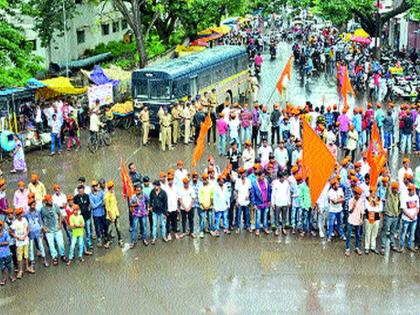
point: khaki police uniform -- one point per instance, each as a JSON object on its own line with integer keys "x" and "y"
{"x": 175, "y": 122}
{"x": 145, "y": 123}
{"x": 165, "y": 127}
{"x": 186, "y": 115}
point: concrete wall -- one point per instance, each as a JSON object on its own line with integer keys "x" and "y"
{"x": 89, "y": 21}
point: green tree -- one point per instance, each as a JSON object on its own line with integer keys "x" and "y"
{"x": 341, "y": 11}
{"x": 17, "y": 63}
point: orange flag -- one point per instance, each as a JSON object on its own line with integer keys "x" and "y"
{"x": 199, "y": 148}
{"x": 127, "y": 184}
{"x": 286, "y": 72}
{"x": 376, "y": 155}
{"x": 318, "y": 162}
{"x": 346, "y": 87}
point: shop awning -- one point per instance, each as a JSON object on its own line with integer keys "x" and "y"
{"x": 58, "y": 86}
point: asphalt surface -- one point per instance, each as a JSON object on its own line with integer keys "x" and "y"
{"x": 230, "y": 275}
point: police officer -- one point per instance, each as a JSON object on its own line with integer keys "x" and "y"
{"x": 176, "y": 116}
{"x": 145, "y": 123}
{"x": 211, "y": 105}
{"x": 186, "y": 117}
{"x": 165, "y": 126}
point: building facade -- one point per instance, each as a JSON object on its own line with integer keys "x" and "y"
{"x": 91, "y": 26}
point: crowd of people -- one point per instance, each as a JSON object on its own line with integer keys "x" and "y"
{"x": 260, "y": 191}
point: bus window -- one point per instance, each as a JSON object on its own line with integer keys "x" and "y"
{"x": 141, "y": 89}
{"x": 160, "y": 89}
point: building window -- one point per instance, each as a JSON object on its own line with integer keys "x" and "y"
{"x": 115, "y": 27}
{"x": 105, "y": 29}
{"x": 80, "y": 34}
{"x": 124, "y": 24}
{"x": 32, "y": 44}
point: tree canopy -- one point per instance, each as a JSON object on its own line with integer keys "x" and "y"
{"x": 17, "y": 63}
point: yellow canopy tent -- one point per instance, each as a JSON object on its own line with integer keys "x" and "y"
{"x": 182, "y": 51}
{"x": 58, "y": 86}
{"x": 222, "y": 30}
{"x": 360, "y": 32}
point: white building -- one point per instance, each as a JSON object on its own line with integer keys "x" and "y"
{"x": 94, "y": 24}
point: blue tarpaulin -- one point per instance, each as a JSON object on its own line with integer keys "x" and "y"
{"x": 31, "y": 84}
{"x": 99, "y": 77}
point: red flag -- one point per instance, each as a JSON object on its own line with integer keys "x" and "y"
{"x": 199, "y": 148}
{"x": 286, "y": 72}
{"x": 376, "y": 155}
{"x": 127, "y": 184}
{"x": 318, "y": 162}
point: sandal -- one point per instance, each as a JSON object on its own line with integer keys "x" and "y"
{"x": 3, "y": 282}
{"x": 13, "y": 171}
{"x": 19, "y": 275}
{"x": 12, "y": 279}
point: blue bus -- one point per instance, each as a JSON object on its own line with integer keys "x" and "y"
{"x": 224, "y": 68}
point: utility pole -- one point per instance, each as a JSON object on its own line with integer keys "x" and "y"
{"x": 65, "y": 38}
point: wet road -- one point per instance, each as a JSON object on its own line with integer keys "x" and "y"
{"x": 229, "y": 275}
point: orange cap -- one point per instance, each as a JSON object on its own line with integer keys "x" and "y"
{"x": 70, "y": 197}
{"x": 185, "y": 180}
{"x": 171, "y": 171}
{"x": 344, "y": 162}
{"x": 352, "y": 172}
{"x": 56, "y": 187}
{"x": 358, "y": 190}
{"x": 411, "y": 187}
{"x": 34, "y": 177}
{"x": 406, "y": 160}
{"x": 298, "y": 177}
{"x": 76, "y": 207}
{"x": 21, "y": 184}
{"x": 205, "y": 176}
{"x": 395, "y": 185}
{"x": 295, "y": 169}
{"x": 19, "y": 211}
{"x": 385, "y": 179}
{"x": 48, "y": 198}
{"x": 162, "y": 174}
{"x": 241, "y": 170}
{"x": 194, "y": 173}
{"x": 357, "y": 165}
{"x": 8, "y": 211}
{"x": 220, "y": 177}
{"x": 170, "y": 177}
{"x": 354, "y": 179}
{"x": 2, "y": 182}
{"x": 408, "y": 176}
{"x": 248, "y": 142}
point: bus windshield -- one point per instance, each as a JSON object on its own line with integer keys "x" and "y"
{"x": 141, "y": 89}
{"x": 160, "y": 89}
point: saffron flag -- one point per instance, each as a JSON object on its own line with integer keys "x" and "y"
{"x": 127, "y": 184}
{"x": 376, "y": 155}
{"x": 199, "y": 148}
{"x": 286, "y": 72}
{"x": 318, "y": 162}
{"x": 346, "y": 86}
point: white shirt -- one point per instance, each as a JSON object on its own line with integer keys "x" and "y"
{"x": 221, "y": 198}
{"x": 365, "y": 168}
{"x": 234, "y": 128}
{"x": 401, "y": 173}
{"x": 60, "y": 201}
{"x": 242, "y": 188}
{"x": 19, "y": 228}
{"x": 295, "y": 127}
{"x": 281, "y": 156}
{"x": 248, "y": 157}
{"x": 94, "y": 122}
{"x": 330, "y": 137}
{"x": 179, "y": 175}
{"x": 323, "y": 198}
{"x": 280, "y": 196}
{"x": 186, "y": 196}
{"x": 410, "y": 204}
{"x": 264, "y": 153}
{"x": 334, "y": 195}
{"x": 172, "y": 198}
